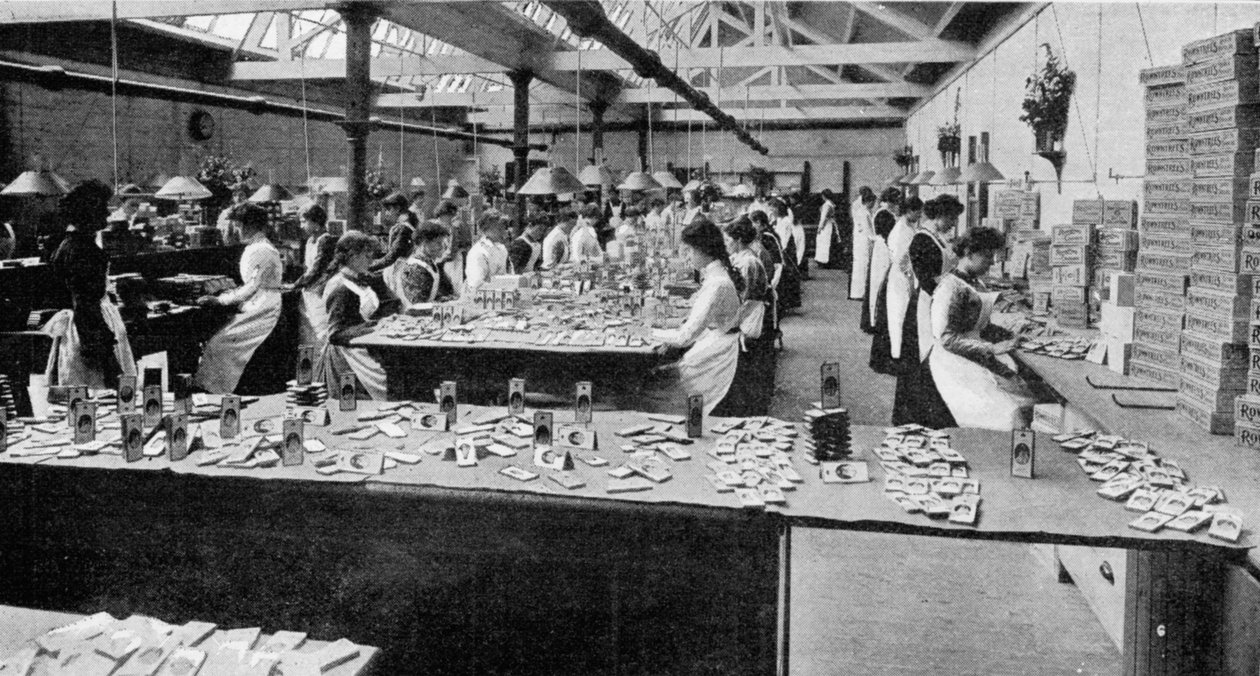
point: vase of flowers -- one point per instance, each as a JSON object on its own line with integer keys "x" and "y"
{"x": 1047, "y": 101}
{"x": 904, "y": 157}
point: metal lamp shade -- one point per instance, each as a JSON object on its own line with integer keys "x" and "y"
{"x": 981, "y": 172}
{"x": 923, "y": 177}
{"x": 638, "y": 180}
{"x": 947, "y": 176}
{"x": 328, "y": 184}
{"x": 738, "y": 191}
{"x": 596, "y": 175}
{"x": 667, "y": 180}
{"x": 692, "y": 185}
{"x": 131, "y": 190}
{"x": 272, "y": 192}
{"x": 183, "y": 189}
{"x": 454, "y": 190}
{"x": 906, "y": 179}
{"x": 44, "y": 183}
{"x": 417, "y": 183}
{"x": 552, "y": 181}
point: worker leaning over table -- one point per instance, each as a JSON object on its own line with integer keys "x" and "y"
{"x": 488, "y": 257}
{"x": 584, "y": 242}
{"x": 227, "y": 353}
{"x": 525, "y": 253}
{"x": 90, "y": 340}
{"x": 355, "y": 299}
{"x": 425, "y": 279}
{"x": 556, "y": 243}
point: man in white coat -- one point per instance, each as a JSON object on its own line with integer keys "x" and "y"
{"x": 863, "y": 239}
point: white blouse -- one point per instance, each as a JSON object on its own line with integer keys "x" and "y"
{"x": 716, "y": 307}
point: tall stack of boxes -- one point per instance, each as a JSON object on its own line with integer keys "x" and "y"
{"x": 1222, "y": 86}
{"x": 1164, "y": 255}
{"x": 1071, "y": 269}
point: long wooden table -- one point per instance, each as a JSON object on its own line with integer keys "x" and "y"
{"x": 659, "y": 576}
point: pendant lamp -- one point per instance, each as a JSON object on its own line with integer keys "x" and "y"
{"x": 454, "y": 190}
{"x": 43, "y": 183}
{"x": 639, "y": 180}
{"x": 272, "y": 192}
{"x": 596, "y": 175}
{"x": 183, "y": 189}
{"x": 552, "y": 181}
{"x": 417, "y": 183}
{"x": 923, "y": 177}
{"x": 693, "y": 185}
{"x": 982, "y": 171}
{"x": 327, "y": 184}
{"x": 947, "y": 176}
{"x": 157, "y": 180}
{"x": 131, "y": 190}
{"x": 667, "y": 180}
{"x": 738, "y": 191}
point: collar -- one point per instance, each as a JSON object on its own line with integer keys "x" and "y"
{"x": 713, "y": 268}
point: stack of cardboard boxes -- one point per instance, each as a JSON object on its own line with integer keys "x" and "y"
{"x": 1071, "y": 267}
{"x": 1163, "y": 261}
{"x": 1222, "y": 86}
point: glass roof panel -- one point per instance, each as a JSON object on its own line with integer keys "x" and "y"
{"x": 232, "y": 26}
{"x": 201, "y": 23}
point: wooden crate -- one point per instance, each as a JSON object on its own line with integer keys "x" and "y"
{"x": 1087, "y": 212}
{"x": 1249, "y": 261}
{"x": 1247, "y": 410}
{"x": 1113, "y": 259}
{"x": 1069, "y": 275}
{"x": 1220, "y": 189}
{"x": 1218, "y": 212}
{"x": 1163, "y": 96}
{"x": 1246, "y": 435}
{"x": 1215, "y": 375}
{"x": 1156, "y": 356}
{"x": 1150, "y": 299}
{"x": 1075, "y": 234}
{"x": 1069, "y": 254}
{"x": 1119, "y": 213}
{"x": 1121, "y": 239}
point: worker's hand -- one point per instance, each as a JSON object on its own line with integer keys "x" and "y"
{"x": 208, "y": 300}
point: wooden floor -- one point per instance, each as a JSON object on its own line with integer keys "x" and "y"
{"x": 886, "y": 604}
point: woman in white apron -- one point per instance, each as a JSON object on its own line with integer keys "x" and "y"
{"x": 754, "y": 374}
{"x": 883, "y": 221}
{"x": 890, "y": 344}
{"x": 712, "y": 327}
{"x": 826, "y": 229}
{"x": 355, "y": 298}
{"x": 916, "y": 399}
{"x": 424, "y": 279}
{"x": 970, "y": 361}
{"x": 224, "y": 357}
{"x": 317, "y": 259}
{"x": 90, "y": 344}
{"x": 402, "y": 226}
{"x": 863, "y": 240}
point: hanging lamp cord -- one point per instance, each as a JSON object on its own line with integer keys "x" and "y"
{"x": 113, "y": 83}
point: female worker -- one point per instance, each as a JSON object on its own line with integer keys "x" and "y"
{"x": 402, "y": 228}
{"x": 970, "y": 364}
{"x": 317, "y": 255}
{"x": 355, "y": 299}
{"x": 894, "y": 296}
{"x": 827, "y": 222}
{"x": 916, "y": 399}
{"x": 90, "y": 340}
{"x": 863, "y": 240}
{"x": 712, "y": 327}
{"x": 754, "y": 375}
{"x": 225, "y": 355}
{"x": 424, "y": 278}
{"x": 882, "y": 222}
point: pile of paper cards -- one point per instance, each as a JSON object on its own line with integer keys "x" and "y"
{"x": 924, "y": 474}
{"x": 142, "y": 646}
{"x": 314, "y": 394}
{"x": 1157, "y": 488}
{"x": 830, "y": 429}
{"x": 1060, "y": 347}
{"x": 752, "y": 459}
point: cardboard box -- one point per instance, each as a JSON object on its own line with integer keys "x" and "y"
{"x": 1222, "y": 282}
{"x": 1159, "y": 320}
{"x": 1152, "y": 337}
{"x": 1233, "y": 329}
{"x": 1214, "y": 304}
{"x": 1162, "y": 76}
{"x": 1111, "y": 259}
{"x": 1081, "y": 233}
{"x": 1119, "y": 355}
{"x": 1226, "y": 354}
{"x": 1165, "y": 359}
{"x": 1117, "y": 321}
{"x": 1169, "y": 187}
{"x": 1253, "y": 384}
{"x": 1224, "y": 141}
{"x": 1163, "y": 262}
{"x": 1254, "y": 315}
{"x": 1238, "y": 165}
{"x": 1030, "y": 206}
{"x": 1225, "y": 258}
{"x": 1162, "y": 131}
{"x": 1152, "y": 299}
{"x": 1120, "y": 288}
{"x": 1069, "y": 275}
{"x": 1207, "y": 420}
{"x": 1165, "y": 96}
{"x": 1119, "y": 213}
{"x": 1120, "y": 239}
{"x": 1174, "y": 284}
{"x": 1221, "y": 94}
{"x": 1246, "y": 436}
{"x": 1168, "y": 167}
{"x": 1247, "y": 410}
{"x": 1067, "y": 295}
{"x": 1252, "y": 212}
{"x": 1166, "y": 206}
{"x": 1249, "y": 260}
{"x": 1156, "y": 374}
{"x": 1007, "y": 203}
{"x": 1164, "y": 224}
{"x": 1234, "y": 42}
{"x": 1087, "y": 211}
{"x": 1179, "y": 243}
{"x": 1220, "y": 189}
{"x": 1211, "y": 398}
{"x": 1066, "y": 254}
{"x": 1253, "y": 335}
{"x": 1225, "y": 67}
{"x": 1215, "y": 235}
{"x": 1169, "y": 112}
{"x": 1168, "y": 148}
{"x": 1218, "y": 377}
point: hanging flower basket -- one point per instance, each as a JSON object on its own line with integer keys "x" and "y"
{"x": 1047, "y": 102}
{"x": 904, "y": 157}
{"x": 949, "y": 141}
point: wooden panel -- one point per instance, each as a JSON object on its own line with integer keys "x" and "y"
{"x": 1105, "y": 598}
{"x": 1172, "y": 613}
{"x": 1240, "y": 621}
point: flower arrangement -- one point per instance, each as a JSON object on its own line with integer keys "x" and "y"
{"x": 379, "y": 186}
{"x": 904, "y": 157}
{"x": 219, "y": 173}
{"x": 491, "y": 185}
{"x": 949, "y": 138}
{"x": 1047, "y": 100}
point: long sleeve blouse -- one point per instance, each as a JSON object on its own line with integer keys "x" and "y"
{"x": 261, "y": 270}
{"x": 716, "y": 307}
{"x": 346, "y": 321}
{"x": 960, "y": 294}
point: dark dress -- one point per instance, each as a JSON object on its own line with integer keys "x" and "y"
{"x": 345, "y": 323}
{"x": 916, "y": 399}
{"x": 881, "y": 360}
{"x": 520, "y": 250}
{"x": 83, "y": 267}
{"x": 400, "y": 243}
{"x": 790, "y": 279}
{"x": 418, "y": 279}
{"x": 753, "y": 387}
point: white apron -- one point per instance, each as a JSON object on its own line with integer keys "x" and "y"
{"x": 861, "y": 251}
{"x": 708, "y": 367}
{"x": 900, "y": 282}
{"x": 224, "y": 357}
{"x": 923, "y": 309}
{"x": 535, "y": 252}
{"x": 65, "y": 363}
{"x": 393, "y": 276}
{"x": 822, "y": 242}
{"x": 976, "y": 396}
{"x": 356, "y": 360}
{"x": 879, "y": 270}
{"x": 314, "y": 327}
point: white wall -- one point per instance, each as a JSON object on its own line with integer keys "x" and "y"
{"x": 1114, "y": 138}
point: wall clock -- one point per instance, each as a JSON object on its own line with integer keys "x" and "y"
{"x": 200, "y": 125}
